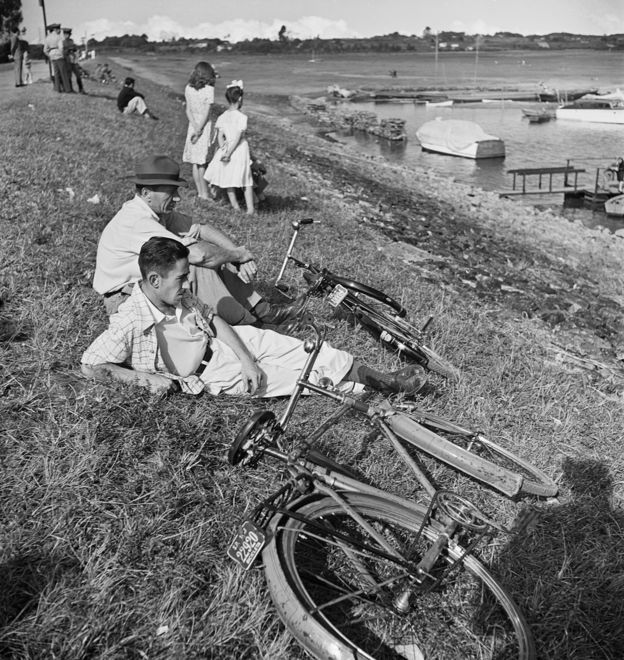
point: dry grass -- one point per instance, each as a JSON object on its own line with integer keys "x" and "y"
{"x": 117, "y": 507}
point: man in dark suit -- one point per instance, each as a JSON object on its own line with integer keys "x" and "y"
{"x": 17, "y": 55}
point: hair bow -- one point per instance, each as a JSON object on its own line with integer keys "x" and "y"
{"x": 235, "y": 83}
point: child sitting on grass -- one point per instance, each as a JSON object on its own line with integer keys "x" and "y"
{"x": 230, "y": 167}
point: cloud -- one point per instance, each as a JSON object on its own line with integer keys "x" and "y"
{"x": 478, "y": 26}
{"x": 164, "y": 28}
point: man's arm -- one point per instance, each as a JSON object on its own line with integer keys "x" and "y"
{"x": 250, "y": 372}
{"x": 157, "y": 383}
{"x": 210, "y": 255}
{"x": 106, "y": 356}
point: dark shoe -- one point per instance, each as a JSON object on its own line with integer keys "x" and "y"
{"x": 409, "y": 380}
{"x": 274, "y": 314}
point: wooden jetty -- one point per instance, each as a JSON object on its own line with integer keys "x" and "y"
{"x": 538, "y": 176}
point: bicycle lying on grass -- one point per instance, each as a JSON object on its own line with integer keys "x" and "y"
{"x": 358, "y": 572}
{"x": 380, "y": 314}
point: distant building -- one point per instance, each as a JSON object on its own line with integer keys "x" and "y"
{"x": 543, "y": 44}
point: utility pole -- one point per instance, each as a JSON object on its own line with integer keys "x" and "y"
{"x": 45, "y": 31}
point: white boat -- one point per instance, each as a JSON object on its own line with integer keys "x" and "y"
{"x": 594, "y": 109}
{"x": 457, "y": 137}
{"x": 439, "y": 104}
{"x": 615, "y": 205}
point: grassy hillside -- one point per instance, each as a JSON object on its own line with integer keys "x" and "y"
{"x": 117, "y": 507}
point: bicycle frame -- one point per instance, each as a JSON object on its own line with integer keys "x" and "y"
{"x": 396, "y": 427}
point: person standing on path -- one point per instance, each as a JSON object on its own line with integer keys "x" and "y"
{"x": 15, "y": 49}
{"x": 231, "y": 166}
{"x": 199, "y": 96}
{"x": 53, "y": 49}
{"x": 71, "y": 59}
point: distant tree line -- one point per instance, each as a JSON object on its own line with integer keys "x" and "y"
{"x": 394, "y": 42}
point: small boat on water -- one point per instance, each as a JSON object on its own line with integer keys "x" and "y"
{"x": 456, "y": 137}
{"x": 562, "y": 96}
{"x": 439, "y": 104}
{"x": 602, "y": 112}
{"x": 598, "y": 108}
{"x": 615, "y": 206}
{"x": 538, "y": 115}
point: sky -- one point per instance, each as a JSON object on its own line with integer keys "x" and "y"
{"x": 245, "y": 19}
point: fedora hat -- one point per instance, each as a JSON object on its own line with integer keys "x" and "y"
{"x": 157, "y": 171}
{"x": 54, "y": 26}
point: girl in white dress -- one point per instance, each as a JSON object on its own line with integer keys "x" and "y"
{"x": 199, "y": 95}
{"x": 230, "y": 167}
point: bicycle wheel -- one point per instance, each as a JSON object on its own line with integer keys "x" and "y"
{"x": 334, "y": 587}
{"x": 399, "y": 335}
{"x": 409, "y": 427}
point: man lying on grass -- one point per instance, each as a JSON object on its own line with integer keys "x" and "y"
{"x": 222, "y": 273}
{"x": 163, "y": 337}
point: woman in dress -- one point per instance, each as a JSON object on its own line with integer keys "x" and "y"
{"x": 230, "y": 167}
{"x": 199, "y": 95}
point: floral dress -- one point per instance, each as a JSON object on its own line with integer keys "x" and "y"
{"x": 197, "y": 100}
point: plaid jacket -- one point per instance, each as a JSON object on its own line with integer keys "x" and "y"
{"x": 130, "y": 339}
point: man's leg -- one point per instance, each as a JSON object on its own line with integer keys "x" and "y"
{"x": 56, "y": 70}
{"x": 66, "y": 81}
{"x": 226, "y": 293}
{"x": 280, "y": 358}
{"x": 18, "y": 69}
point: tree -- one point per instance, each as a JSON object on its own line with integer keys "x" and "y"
{"x": 282, "y": 34}
{"x": 10, "y": 14}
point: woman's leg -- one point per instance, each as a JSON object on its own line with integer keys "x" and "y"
{"x": 249, "y": 199}
{"x": 196, "y": 179}
{"x": 231, "y": 193}
{"x": 202, "y": 187}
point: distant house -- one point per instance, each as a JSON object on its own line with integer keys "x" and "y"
{"x": 454, "y": 46}
{"x": 443, "y": 44}
{"x": 543, "y": 44}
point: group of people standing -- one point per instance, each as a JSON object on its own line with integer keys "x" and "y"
{"x": 62, "y": 52}
{"x": 218, "y": 149}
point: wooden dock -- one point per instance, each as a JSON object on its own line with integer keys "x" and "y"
{"x": 538, "y": 177}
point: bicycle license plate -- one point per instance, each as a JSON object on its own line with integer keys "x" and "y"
{"x": 246, "y": 545}
{"x": 338, "y": 294}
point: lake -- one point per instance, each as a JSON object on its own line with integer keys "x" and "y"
{"x": 528, "y": 145}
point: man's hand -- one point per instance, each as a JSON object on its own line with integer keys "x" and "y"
{"x": 247, "y": 271}
{"x": 251, "y": 375}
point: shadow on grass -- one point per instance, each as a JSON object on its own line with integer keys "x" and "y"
{"x": 570, "y": 569}
{"x": 24, "y": 579}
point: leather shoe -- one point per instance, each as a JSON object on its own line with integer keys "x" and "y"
{"x": 408, "y": 380}
{"x": 276, "y": 314}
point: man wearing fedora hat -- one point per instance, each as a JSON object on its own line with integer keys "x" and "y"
{"x": 53, "y": 49}
{"x": 222, "y": 272}
{"x": 164, "y": 338}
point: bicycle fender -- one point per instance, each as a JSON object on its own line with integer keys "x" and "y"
{"x": 505, "y": 481}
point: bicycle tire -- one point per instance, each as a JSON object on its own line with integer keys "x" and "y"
{"x": 470, "y": 615}
{"x": 366, "y": 290}
{"x": 485, "y": 452}
{"x": 394, "y": 333}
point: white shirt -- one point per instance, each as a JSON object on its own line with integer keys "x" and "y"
{"x": 117, "y": 261}
{"x": 181, "y": 343}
